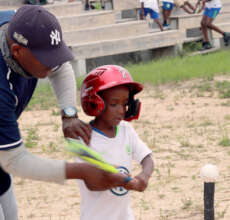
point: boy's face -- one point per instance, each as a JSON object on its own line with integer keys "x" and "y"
{"x": 116, "y": 102}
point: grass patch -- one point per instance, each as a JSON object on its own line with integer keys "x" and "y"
{"x": 192, "y": 46}
{"x": 43, "y": 98}
{"x": 165, "y": 70}
{"x": 224, "y": 89}
{"x": 225, "y": 141}
{"x": 32, "y": 138}
{"x": 176, "y": 69}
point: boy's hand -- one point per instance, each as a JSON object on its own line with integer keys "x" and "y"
{"x": 201, "y": 7}
{"x": 138, "y": 183}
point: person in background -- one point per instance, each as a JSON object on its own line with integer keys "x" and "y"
{"x": 167, "y": 8}
{"x": 89, "y": 5}
{"x": 150, "y": 7}
{"x": 211, "y": 10}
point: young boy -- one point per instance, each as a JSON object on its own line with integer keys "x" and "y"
{"x": 211, "y": 10}
{"x": 168, "y": 6}
{"x": 108, "y": 94}
{"x": 150, "y": 7}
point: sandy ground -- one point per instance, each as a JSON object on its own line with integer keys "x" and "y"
{"x": 183, "y": 124}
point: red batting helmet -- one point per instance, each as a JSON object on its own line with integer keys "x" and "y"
{"x": 105, "y": 77}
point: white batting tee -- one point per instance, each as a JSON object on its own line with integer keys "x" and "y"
{"x": 113, "y": 204}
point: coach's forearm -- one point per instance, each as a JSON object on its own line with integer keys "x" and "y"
{"x": 74, "y": 170}
{"x": 20, "y": 162}
{"x": 64, "y": 85}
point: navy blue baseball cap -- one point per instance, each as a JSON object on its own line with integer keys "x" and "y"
{"x": 37, "y": 29}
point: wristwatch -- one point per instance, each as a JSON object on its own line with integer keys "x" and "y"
{"x": 69, "y": 112}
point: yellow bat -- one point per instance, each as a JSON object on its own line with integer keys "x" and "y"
{"x": 89, "y": 155}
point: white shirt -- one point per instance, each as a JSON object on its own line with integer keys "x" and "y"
{"x": 113, "y": 204}
{"x": 153, "y": 4}
{"x": 171, "y": 1}
{"x": 213, "y": 4}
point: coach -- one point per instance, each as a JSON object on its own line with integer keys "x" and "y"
{"x": 31, "y": 47}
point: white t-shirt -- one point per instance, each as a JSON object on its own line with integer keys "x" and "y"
{"x": 113, "y": 204}
{"x": 153, "y": 4}
{"x": 213, "y": 4}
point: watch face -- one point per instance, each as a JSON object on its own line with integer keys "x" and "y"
{"x": 70, "y": 111}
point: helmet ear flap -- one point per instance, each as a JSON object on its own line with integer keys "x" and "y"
{"x": 134, "y": 108}
{"x": 93, "y": 105}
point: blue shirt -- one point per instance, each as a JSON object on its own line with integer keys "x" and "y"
{"x": 15, "y": 93}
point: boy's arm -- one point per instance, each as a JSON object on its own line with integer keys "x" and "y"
{"x": 147, "y": 166}
{"x": 203, "y": 5}
{"x": 140, "y": 182}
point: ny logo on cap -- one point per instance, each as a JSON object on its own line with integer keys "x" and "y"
{"x": 55, "y": 37}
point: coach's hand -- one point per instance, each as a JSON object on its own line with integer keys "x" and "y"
{"x": 75, "y": 128}
{"x": 94, "y": 178}
{"x": 98, "y": 180}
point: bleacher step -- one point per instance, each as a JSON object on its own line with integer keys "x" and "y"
{"x": 105, "y": 32}
{"x": 86, "y": 20}
{"x": 125, "y": 44}
{"x": 203, "y": 52}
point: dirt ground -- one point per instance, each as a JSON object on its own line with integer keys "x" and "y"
{"x": 186, "y": 125}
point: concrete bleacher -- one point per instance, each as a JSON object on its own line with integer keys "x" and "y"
{"x": 106, "y": 32}
{"x": 101, "y": 33}
{"x": 175, "y": 38}
{"x": 187, "y": 21}
{"x": 63, "y": 9}
{"x": 127, "y": 4}
{"x": 86, "y": 20}
{"x": 125, "y": 44}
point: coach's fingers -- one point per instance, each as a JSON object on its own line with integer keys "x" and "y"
{"x": 85, "y": 132}
{"x": 75, "y": 128}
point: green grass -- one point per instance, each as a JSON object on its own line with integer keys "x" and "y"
{"x": 161, "y": 71}
{"x": 43, "y": 98}
{"x": 224, "y": 89}
{"x": 177, "y": 69}
{"x": 225, "y": 141}
{"x": 32, "y": 138}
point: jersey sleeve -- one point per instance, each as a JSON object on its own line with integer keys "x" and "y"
{"x": 139, "y": 149}
{"x": 9, "y": 131}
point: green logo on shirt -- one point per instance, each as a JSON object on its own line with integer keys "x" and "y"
{"x": 128, "y": 150}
